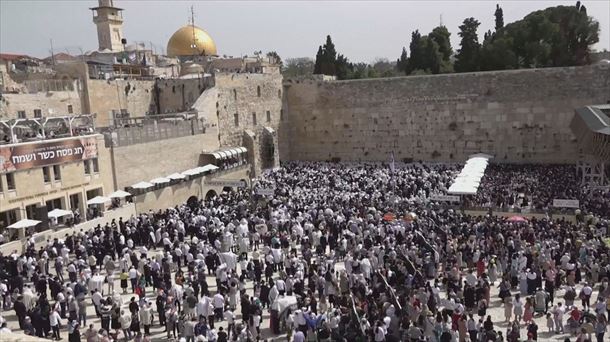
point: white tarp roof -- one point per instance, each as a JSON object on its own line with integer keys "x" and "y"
{"x": 160, "y": 180}
{"x": 24, "y": 224}
{"x": 59, "y": 213}
{"x": 192, "y": 172}
{"x": 142, "y": 185}
{"x": 467, "y": 182}
{"x": 119, "y": 194}
{"x": 176, "y": 176}
{"x": 98, "y": 200}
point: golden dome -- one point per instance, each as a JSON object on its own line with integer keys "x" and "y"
{"x": 181, "y": 42}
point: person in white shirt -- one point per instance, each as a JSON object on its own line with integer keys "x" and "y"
{"x": 219, "y": 303}
{"x": 55, "y": 322}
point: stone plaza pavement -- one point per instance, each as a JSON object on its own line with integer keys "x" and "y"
{"x": 496, "y": 310}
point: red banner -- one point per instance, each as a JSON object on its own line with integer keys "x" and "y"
{"x": 41, "y": 153}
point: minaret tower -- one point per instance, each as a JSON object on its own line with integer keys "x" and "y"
{"x": 109, "y": 22}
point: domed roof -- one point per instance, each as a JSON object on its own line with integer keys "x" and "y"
{"x": 181, "y": 42}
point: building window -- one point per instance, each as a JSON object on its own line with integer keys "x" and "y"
{"x": 37, "y": 113}
{"x": 56, "y": 172}
{"x": 236, "y": 118}
{"x": 281, "y": 114}
{"x": 87, "y": 167}
{"x": 268, "y": 116}
{"x": 279, "y": 93}
{"x": 0, "y": 184}
{"x": 70, "y": 109}
{"x": 10, "y": 181}
{"x": 254, "y": 118}
{"x": 96, "y": 166}
{"x": 46, "y": 174}
{"x": 21, "y": 114}
{"x": 258, "y": 91}
{"x": 235, "y": 94}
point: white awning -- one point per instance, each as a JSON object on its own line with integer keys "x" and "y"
{"x": 210, "y": 167}
{"x": 176, "y": 176}
{"x": 119, "y": 194}
{"x": 469, "y": 179}
{"x": 25, "y": 223}
{"x": 59, "y": 213}
{"x": 216, "y": 155}
{"x": 192, "y": 172}
{"x": 242, "y": 149}
{"x": 223, "y": 154}
{"x": 160, "y": 180}
{"x": 98, "y": 200}
{"x": 234, "y": 152}
{"x": 142, "y": 185}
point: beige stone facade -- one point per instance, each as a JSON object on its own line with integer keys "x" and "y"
{"x": 517, "y": 116}
{"x": 104, "y": 96}
{"x": 248, "y": 103}
{"x": 68, "y": 186}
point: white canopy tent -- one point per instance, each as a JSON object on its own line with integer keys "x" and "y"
{"x": 24, "y": 223}
{"x": 142, "y": 185}
{"x": 467, "y": 182}
{"x": 119, "y": 194}
{"x": 98, "y": 200}
{"x": 175, "y": 176}
{"x": 160, "y": 180}
{"x": 192, "y": 172}
{"x": 57, "y": 213}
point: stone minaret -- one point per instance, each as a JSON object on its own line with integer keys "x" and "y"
{"x": 109, "y": 22}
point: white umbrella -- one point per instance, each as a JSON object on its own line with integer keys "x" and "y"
{"x": 176, "y": 176}
{"x": 160, "y": 180}
{"x": 59, "y": 213}
{"x": 24, "y": 224}
{"x": 119, "y": 194}
{"x": 142, "y": 185}
{"x": 98, "y": 200}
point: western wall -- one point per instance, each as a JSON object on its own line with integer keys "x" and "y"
{"x": 517, "y": 116}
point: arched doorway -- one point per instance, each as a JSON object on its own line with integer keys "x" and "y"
{"x": 192, "y": 202}
{"x": 210, "y": 194}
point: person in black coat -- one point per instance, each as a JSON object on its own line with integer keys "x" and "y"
{"x": 161, "y": 299}
{"x": 20, "y": 310}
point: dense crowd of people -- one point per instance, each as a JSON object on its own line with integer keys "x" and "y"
{"x": 527, "y": 186}
{"x": 339, "y": 252}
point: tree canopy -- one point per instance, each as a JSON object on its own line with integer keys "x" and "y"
{"x": 552, "y": 37}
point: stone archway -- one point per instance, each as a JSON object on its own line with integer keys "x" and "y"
{"x": 192, "y": 202}
{"x": 210, "y": 194}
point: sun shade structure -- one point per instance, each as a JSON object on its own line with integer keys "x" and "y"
{"x": 175, "y": 176}
{"x": 98, "y": 200}
{"x": 25, "y": 223}
{"x": 119, "y": 194}
{"x": 142, "y": 185}
{"x": 160, "y": 180}
{"x": 59, "y": 213}
{"x": 467, "y": 182}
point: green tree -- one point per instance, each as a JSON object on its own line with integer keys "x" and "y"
{"x": 317, "y": 69}
{"x": 274, "y": 55}
{"x": 403, "y": 62}
{"x": 342, "y": 67}
{"x": 441, "y": 36}
{"x": 468, "y": 54}
{"x": 499, "y": 14}
{"x": 329, "y": 57}
{"x": 553, "y": 37}
{"x": 295, "y": 67}
{"x": 416, "y": 52}
{"x": 432, "y": 56}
